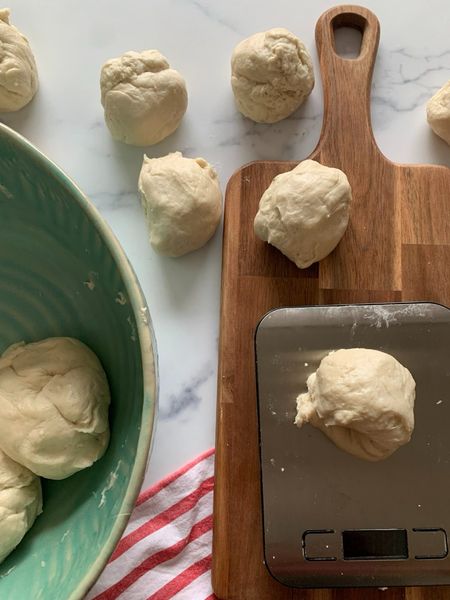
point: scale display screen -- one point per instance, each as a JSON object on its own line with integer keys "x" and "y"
{"x": 375, "y": 544}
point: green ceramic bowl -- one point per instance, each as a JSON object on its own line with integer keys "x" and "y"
{"x": 63, "y": 273}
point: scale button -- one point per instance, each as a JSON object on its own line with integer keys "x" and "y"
{"x": 428, "y": 543}
{"x": 320, "y": 544}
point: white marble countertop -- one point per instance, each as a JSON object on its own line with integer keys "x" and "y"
{"x": 71, "y": 40}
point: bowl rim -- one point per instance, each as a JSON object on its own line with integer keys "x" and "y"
{"x": 149, "y": 354}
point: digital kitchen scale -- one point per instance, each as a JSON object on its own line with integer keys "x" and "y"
{"x": 333, "y": 520}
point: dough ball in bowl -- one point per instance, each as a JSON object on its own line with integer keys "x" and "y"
{"x": 54, "y": 400}
{"x": 305, "y": 212}
{"x": 20, "y": 503}
{"x": 18, "y": 73}
{"x": 438, "y": 112}
{"x": 182, "y": 202}
{"x": 363, "y": 400}
{"x": 271, "y": 75}
{"x": 143, "y": 98}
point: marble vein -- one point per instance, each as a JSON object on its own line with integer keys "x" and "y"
{"x": 188, "y": 397}
{"x": 114, "y": 200}
{"x": 206, "y": 11}
{"x": 405, "y": 80}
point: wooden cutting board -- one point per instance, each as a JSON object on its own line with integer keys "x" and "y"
{"x": 397, "y": 247}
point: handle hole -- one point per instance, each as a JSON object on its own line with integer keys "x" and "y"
{"x": 347, "y": 42}
{"x": 348, "y": 31}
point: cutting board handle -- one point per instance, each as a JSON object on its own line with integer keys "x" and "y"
{"x": 347, "y": 81}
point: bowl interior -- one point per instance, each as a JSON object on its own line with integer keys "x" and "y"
{"x": 62, "y": 273}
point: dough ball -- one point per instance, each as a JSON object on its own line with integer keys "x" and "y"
{"x": 363, "y": 400}
{"x": 271, "y": 75}
{"x": 144, "y": 99}
{"x": 182, "y": 202}
{"x": 20, "y": 503}
{"x": 18, "y": 73}
{"x": 304, "y": 213}
{"x": 438, "y": 112}
{"x": 54, "y": 400}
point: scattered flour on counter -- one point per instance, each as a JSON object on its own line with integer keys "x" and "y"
{"x": 4, "y": 190}
{"x": 65, "y": 534}
{"x": 109, "y": 485}
{"x": 120, "y": 298}
{"x": 133, "y": 329}
{"x": 381, "y": 316}
{"x": 90, "y": 283}
{"x": 377, "y": 315}
{"x": 385, "y": 316}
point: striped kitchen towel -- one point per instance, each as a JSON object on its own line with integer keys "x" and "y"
{"x": 165, "y": 551}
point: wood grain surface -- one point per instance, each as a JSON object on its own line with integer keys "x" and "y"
{"x": 397, "y": 247}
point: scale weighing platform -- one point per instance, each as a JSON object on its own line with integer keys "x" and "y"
{"x": 333, "y": 520}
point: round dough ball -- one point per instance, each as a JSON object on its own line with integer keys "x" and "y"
{"x": 438, "y": 112}
{"x": 304, "y": 213}
{"x": 363, "y": 400}
{"x": 182, "y": 202}
{"x": 54, "y": 400}
{"x": 271, "y": 75}
{"x": 20, "y": 503}
{"x": 18, "y": 73}
{"x": 144, "y": 99}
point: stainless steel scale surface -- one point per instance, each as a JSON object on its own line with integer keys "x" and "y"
{"x": 331, "y": 519}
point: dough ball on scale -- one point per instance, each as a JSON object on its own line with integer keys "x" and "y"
{"x": 363, "y": 400}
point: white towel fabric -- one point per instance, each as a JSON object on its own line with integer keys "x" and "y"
{"x": 165, "y": 551}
